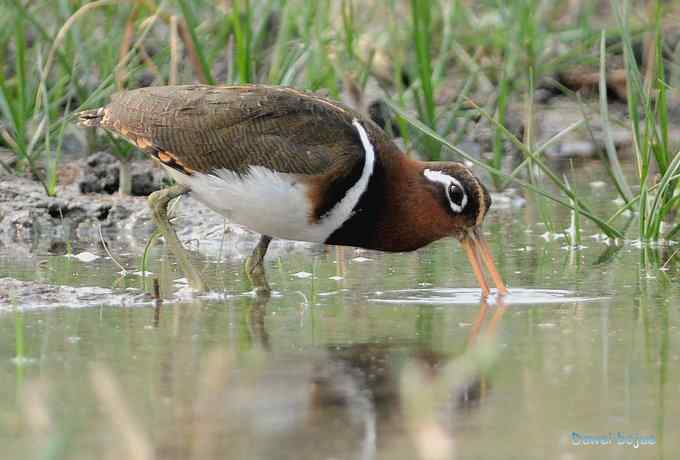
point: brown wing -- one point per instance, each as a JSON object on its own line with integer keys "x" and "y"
{"x": 202, "y": 128}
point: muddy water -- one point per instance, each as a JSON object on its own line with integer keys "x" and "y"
{"x": 357, "y": 355}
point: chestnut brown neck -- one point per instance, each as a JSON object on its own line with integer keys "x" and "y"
{"x": 413, "y": 218}
{"x": 396, "y": 212}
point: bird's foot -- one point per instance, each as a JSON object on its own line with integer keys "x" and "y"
{"x": 254, "y": 267}
{"x": 257, "y": 277}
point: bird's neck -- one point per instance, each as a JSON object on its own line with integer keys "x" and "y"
{"x": 407, "y": 221}
{"x": 394, "y": 213}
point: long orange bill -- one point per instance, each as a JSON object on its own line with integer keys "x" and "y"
{"x": 485, "y": 252}
{"x": 471, "y": 251}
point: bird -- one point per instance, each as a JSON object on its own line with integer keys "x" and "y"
{"x": 295, "y": 165}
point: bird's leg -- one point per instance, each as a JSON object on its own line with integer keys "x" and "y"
{"x": 158, "y": 202}
{"x": 255, "y": 267}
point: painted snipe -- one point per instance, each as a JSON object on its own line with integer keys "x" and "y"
{"x": 294, "y": 165}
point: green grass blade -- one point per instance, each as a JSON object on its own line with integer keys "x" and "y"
{"x": 656, "y": 208}
{"x": 539, "y": 151}
{"x": 422, "y": 38}
{"x": 21, "y": 109}
{"x": 612, "y": 157}
{"x": 241, "y": 22}
{"x": 192, "y": 23}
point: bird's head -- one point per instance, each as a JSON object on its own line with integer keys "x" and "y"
{"x": 464, "y": 202}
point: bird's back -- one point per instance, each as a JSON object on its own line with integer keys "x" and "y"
{"x": 204, "y": 128}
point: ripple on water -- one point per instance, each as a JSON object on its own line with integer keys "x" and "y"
{"x": 468, "y": 296}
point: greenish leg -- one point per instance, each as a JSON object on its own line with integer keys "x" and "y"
{"x": 158, "y": 202}
{"x": 255, "y": 267}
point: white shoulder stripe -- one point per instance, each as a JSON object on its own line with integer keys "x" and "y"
{"x": 343, "y": 210}
{"x": 274, "y": 203}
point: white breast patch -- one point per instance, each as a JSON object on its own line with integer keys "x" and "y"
{"x": 273, "y": 203}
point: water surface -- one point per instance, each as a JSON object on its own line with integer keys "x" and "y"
{"x": 357, "y": 355}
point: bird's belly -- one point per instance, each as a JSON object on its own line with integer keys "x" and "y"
{"x": 264, "y": 201}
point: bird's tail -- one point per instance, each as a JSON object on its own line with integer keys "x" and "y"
{"x": 92, "y": 118}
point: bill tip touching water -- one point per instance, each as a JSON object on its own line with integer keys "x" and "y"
{"x": 293, "y": 165}
{"x": 476, "y": 248}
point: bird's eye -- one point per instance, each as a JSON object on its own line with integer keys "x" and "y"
{"x": 456, "y": 195}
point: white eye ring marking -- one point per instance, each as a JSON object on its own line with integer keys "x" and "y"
{"x": 446, "y": 181}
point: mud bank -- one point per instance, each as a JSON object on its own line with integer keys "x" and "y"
{"x": 31, "y": 295}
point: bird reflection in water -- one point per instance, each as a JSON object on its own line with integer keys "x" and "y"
{"x": 401, "y": 397}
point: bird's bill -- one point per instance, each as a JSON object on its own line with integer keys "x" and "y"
{"x": 476, "y": 249}
{"x": 473, "y": 256}
{"x": 485, "y": 252}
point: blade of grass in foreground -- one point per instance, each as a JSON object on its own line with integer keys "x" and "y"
{"x": 668, "y": 164}
{"x": 195, "y": 48}
{"x": 539, "y": 151}
{"x": 422, "y": 36}
{"x": 657, "y": 210}
{"x": 607, "y": 229}
{"x": 642, "y": 120}
{"x": 648, "y": 113}
{"x": 612, "y": 157}
{"x": 503, "y": 96}
{"x": 242, "y": 23}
